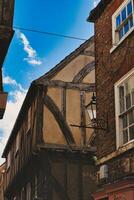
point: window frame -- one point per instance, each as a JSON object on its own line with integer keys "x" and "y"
{"x": 114, "y": 16}
{"x": 119, "y": 136}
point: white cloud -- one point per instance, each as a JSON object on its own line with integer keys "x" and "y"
{"x": 32, "y": 58}
{"x": 33, "y": 61}
{"x": 95, "y": 2}
{"x": 12, "y": 110}
{"x": 9, "y": 81}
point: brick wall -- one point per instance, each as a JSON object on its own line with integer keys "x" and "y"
{"x": 110, "y": 67}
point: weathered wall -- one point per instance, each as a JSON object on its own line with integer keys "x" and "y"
{"x": 71, "y": 69}
{"x": 110, "y": 67}
{"x": 52, "y": 133}
{"x": 71, "y": 100}
{"x": 6, "y": 12}
{"x": 57, "y": 176}
{"x": 70, "y": 106}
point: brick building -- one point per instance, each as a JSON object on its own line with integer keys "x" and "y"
{"x": 114, "y": 58}
{"x": 6, "y": 34}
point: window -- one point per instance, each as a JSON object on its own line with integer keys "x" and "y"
{"x": 123, "y": 21}
{"x": 124, "y": 101}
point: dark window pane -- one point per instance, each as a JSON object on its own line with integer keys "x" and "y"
{"x": 133, "y": 97}
{"x": 125, "y": 136}
{"x": 124, "y": 121}
{"x": 122, "y": 105}
{"x": 131, "y": 22}
{"x": 128, "y": 101}
{"x": 129, "y": 8}
{"x": 131, "y": 132}
{"x": 126, "y": 27}
{"x": 121, "y": 91}
{"x": 118, "y": 21}
{"x": 131, "y": 117}
{"x": 127, "y": 87}
{"x": 121, "y": 96}
{"x": 121, "y": 33}
{"x": 124, "y": 14}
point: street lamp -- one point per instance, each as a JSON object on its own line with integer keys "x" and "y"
{"x": 91, "y": 109}
{"x": 96, "y": 124}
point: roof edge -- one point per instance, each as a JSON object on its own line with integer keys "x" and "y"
{"x": 52, "y": 72}
{"x": 97, "y": 11}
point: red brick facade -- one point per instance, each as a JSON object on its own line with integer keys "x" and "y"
{"x": 110, "y": 67}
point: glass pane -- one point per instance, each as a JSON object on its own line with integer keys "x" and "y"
{"x": 128, "y": 101}
{"x": 133, "y": 97}
{"x": 131, "y": 132}
{"x": 131, "y": 117}
{"x": 121, "y": 91}
{"x": 126, "y": 27}
{"x": 126, "y": 87}
{"x": 129, "y": 85}
{"x": 121, "y": 33}
{"x": 118, "y": 21}
{"x": 129, "y": 8}
{"x": 131, "y": 22}
{"x": 124, "y": 121}
{"x": 125, "y": 136}
{"x": 122, "y": 105}
{"x": 123, "y": 14}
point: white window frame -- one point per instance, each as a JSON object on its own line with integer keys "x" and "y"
{"x": 117, "y": 43}
{"x": 119, "y": 142}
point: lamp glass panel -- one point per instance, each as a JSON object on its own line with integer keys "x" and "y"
{"x": 92, "y": 113}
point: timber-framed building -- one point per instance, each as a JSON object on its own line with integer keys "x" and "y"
{"x": 47, "y": 158}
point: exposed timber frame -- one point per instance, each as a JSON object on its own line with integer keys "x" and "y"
{"x": 60, "y": 119}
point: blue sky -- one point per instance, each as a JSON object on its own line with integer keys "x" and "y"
{"x": 31, "y": 54}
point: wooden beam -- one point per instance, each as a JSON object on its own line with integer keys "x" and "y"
{"x": 68, "y": 85}
{"x": 88, "y": 53}
{"x": 60, "y": 119}
{"x": 84, "y": 72}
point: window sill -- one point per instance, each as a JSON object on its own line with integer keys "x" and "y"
{"x": 126, "y": 145}
{"x": 116, "y": 153}
{"x": 123, "y": 38}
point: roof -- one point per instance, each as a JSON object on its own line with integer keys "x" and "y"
{"x": 97, "y": 11}
{"x": 67, "y": 59}
{"x": 31, "y": 92}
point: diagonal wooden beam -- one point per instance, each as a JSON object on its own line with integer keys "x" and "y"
{"x": 60, "y": 119}
{"x": 83, "y": 72}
